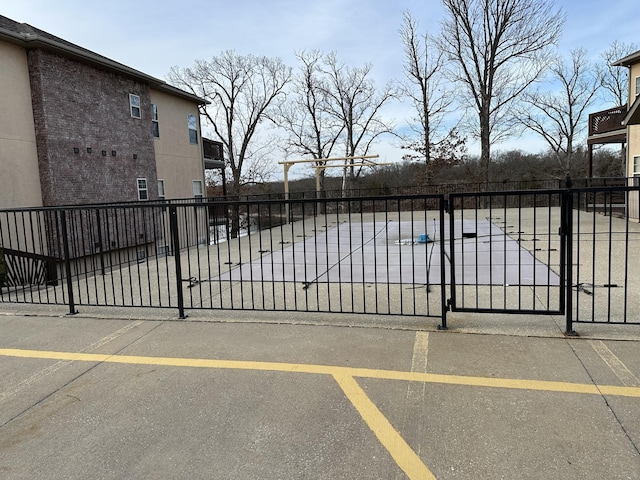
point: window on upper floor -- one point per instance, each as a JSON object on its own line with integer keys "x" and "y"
{"x": 637, "y": 86}
{"x": 134, "y": 105}
{"x": 154, "y": 120}
{"x": 192, "y": 124}
{"x": 143, "y": 192}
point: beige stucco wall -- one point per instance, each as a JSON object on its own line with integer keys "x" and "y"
{"x": 178, "y": 162}
{"x": 633, "y": 147}
{"x": 19, "y": 175}
{"x": 633, "y": 142}
{"x": 635, "y": 72}
{"x": 633, "y": 150}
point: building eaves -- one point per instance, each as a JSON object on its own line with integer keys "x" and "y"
{"x": 165, "y": 87}
{"x": 633, "y": 115}
{"x": 628, "y": 60}
{"x": 30, "y": 37}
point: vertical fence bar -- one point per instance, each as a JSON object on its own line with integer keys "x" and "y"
{"x": 567, "y": 268}
{"x": 626, "y": 255}
{"x": 67, "y": 262}
{"x": 609, "y": 281}
{"x": 452, "y": 256}
{"x": 173, "y": 219}
{"x": 443, "y": 280}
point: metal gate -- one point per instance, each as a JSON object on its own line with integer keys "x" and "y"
{"x": 507, "y": 252}
{"x": 553, "y": 252}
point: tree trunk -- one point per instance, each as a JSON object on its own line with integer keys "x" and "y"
{"x": 235, "y": 210}
{"x": 485, "y": 145}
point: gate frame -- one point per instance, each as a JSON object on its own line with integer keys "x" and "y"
{"x": 566, "y": 257}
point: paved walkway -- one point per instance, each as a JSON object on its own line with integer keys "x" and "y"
{"x": 135, "y": 397}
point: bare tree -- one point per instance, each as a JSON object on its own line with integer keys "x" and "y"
{"x": 499, "y": 48}
{"x": 356, "y": 102}
{"x": 241, "y": 91}
{"x": 426, "y": 88}
{"x": 558, "y": 116}
{"x": 615, "y": 80}
{"x": 312, "y": 130}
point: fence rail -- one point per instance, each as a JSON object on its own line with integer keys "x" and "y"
{"x": 382, "y": 255}
{"x": 331, "y": 255}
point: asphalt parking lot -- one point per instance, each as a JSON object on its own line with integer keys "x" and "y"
{"x": 88, "y": 397}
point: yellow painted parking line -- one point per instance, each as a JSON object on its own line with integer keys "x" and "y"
{"x": 401, "y": 452}
{"x": 492, "y": 382}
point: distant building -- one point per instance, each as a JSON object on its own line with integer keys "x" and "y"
{"x": 621, "y": 125}
{"x": 79, "y": 128}
{"x": 632, "y": 117}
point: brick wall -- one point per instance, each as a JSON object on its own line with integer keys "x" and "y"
{"x": 77, "y": 106}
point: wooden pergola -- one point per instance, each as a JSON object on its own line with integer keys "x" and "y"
{"x": 322, "y": 164}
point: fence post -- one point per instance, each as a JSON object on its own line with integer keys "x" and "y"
{"x": 567, "y": 228}
{"x": 67, "y": 262}
{"x": 443, "y": 282}
{"x": 175, "y": 236}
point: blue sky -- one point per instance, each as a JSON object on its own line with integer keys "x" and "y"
{"x": 153, "y": 36}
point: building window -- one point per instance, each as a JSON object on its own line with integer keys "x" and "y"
{"x": 143, "y": 192}
{"x": 134, "y": 104}
{"x": 197, "y": 189}
{"x": 192, "y": 123}
{"x": 154, "y": 121}
{"x": 161, "y": 189}
{"x": 637, "y": 86}
{"x": 636, "y": 170}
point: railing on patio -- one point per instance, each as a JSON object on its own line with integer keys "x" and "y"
{"x": 361, "y": 255}
{"x": 607, "y": 121}
{"x": 379, "y": 255}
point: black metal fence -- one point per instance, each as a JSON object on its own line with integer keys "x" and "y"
{"x": 331, "y": 255}
{"x": 561, "y": 252}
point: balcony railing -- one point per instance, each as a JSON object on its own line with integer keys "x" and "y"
{"x": 607, "y": 122}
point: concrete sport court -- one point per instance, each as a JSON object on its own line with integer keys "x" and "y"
{"x": 392, "y": 252}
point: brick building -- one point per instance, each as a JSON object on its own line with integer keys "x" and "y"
{"x": 79, "y": 128}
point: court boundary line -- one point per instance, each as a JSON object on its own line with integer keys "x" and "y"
{"x": 403, "y": 455}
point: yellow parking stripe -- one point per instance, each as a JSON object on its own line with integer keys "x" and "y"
{"x": 542, "y": 385}
{"x": 401, "y": 452}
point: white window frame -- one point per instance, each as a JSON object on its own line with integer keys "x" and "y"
{"x": 134, "y": 105}
{"x": 198, "y": 192}
{"x": 161, "y": 194}
{"x": 192, "y": 125}
{"x": 143, "y": 189}
{"x": 154, "y": 120}
{"x": 636, "y": 170}
{"x": 637, "y": 86}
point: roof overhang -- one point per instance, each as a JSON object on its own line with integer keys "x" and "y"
{"x": 30, "y": 41}
{"x": 628, "y": 60}
{"x": 633, "y": 115}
